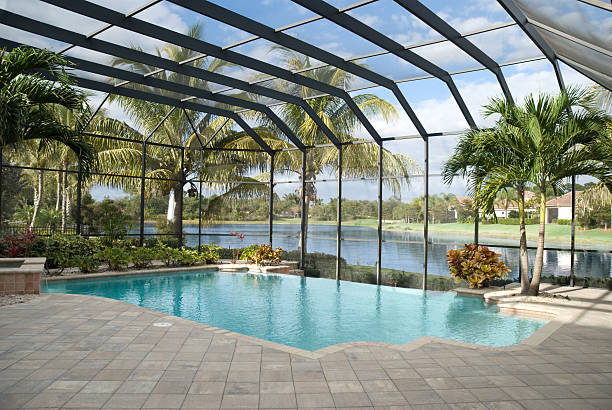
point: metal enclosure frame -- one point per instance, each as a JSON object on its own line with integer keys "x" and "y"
{"x": 323, "y": 10}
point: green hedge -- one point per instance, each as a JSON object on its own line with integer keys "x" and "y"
{"x": 603, "y": 283}
{"x": 510, "y": 221}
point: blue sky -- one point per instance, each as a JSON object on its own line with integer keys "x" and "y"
{"x": 429, "y": 98}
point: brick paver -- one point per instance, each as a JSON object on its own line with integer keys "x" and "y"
{"x": 72, "y": 351}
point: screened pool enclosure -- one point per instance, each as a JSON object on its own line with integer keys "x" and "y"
{"x": 280, "y": 67}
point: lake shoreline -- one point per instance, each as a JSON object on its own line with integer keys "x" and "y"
{"x": 460, "y": 232}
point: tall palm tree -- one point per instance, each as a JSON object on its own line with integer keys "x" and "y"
{"x": 27, "y": 101}
{"x": 546, "y": 141}
{"x": 483, "y": 158}
{"x": 359, "y": 160}
{"x": 165, "y": 163}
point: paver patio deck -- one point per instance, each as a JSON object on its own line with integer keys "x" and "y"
{"x": 72, "y": 351}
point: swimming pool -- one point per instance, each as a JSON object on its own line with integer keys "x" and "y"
{"x": 310, "y": 313}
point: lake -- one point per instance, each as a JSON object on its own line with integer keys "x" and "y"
{"x": 400, "y": 250}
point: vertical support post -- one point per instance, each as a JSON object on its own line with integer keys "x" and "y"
{"x": 303, "y": 216}
{"x": 1, "y": 189}
{"x": 142, "y": 192}
{"x": 181, "y": 198}
{"x": 573, "y": 233}
{"x": 339, "y": 215}
{"x": 426, "y": 213}
{"x": 271, "y": 200}
{"x": 200, "y": 207}
{"x": 79, "y": 196}
{"x": 380, "y": 211}
{"x": 476, "y": 226}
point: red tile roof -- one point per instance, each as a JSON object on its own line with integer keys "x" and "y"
{"x": 564, "y": 200}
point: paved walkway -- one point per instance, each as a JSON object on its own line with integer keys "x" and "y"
{"x": 70, "y": 351}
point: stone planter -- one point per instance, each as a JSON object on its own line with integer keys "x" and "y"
{"x": 20, "y": 276}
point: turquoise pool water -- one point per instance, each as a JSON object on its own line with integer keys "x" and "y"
{"x": 310, "y": 313}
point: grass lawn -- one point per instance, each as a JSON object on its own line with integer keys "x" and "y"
{"x": 555, "y": 234}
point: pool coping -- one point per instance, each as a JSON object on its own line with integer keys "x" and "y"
{"x": 558, "y": 317}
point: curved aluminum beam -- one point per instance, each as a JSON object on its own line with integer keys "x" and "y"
{"x": 434, "y": 21}
{"x": 174, "y": 87}
{"x": 239, "y": 21}
{"x": 173, "y": 102}
{"x": 363, "y": 30}
{"x": 56, "y": 33}
{"x": 109, "y": 16}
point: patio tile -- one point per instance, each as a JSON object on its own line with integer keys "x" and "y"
{"x": 126, "y": 401}
{"x": 380, "y": 385}
{"x": 164, "y": 401}
{"x": 15, "y": 400}
{"x": 276, "y": 388}
{"x": 88, "y": 400}
{"x": 422, "y": 397}
{"x": 457, "y": 396}
{"x": 504, "y": 405}
{"x": 522, "y": 393}
{"x": 208, "y": 388}
{"x": 241, "y": 388}
{"x": 314, "y": 400}
{"x": 490, "y": 394}
{"x": 112, "y": 375}
{"x": 67, "y": 385}
{"x": 202, "y": 401}
{"x": 277, "y": 401}
{"x": 98, "y": 386}
{"x": 345, "y": 387}
{"x": 311, "y": 387}
{"x": 137, "y": 386}
{"x": 351, "y": 399}
{"x": 387, "y": 399}
{"x": 439, "y": 383}
{"x": 172, "y": 387}
{"x": 49, "y": 399}
{"x": 240, "y": 401}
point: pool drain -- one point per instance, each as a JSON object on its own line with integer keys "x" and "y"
{"x": 162, "y": 324}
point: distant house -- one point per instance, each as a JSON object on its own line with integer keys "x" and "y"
{"x": 502, "y": 212}
{"x": 560, "y": 207}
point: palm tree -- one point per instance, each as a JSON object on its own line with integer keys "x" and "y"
{"x": 544, "y": 142}
{"x": 359, "y": 160}
{"x": 162, "y": 162}
{"x": 482, "y": 157}
{"x": 595, "y": 197}
{"x": 27, "y": 101}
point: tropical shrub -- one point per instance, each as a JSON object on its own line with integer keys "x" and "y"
{"x": 116, "y": 257}
{"x": 248, "y": 253}
{"x": 262, "y": 254}
{"x": 476, "y": 264}
{"x": 142, "y": 257}
{"x": 209, "y": 253}
{"x": 20, "y": 245}
{"x": 85, "y": 263}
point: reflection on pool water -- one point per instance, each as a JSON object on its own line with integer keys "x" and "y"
{"x": 310, "y": 313}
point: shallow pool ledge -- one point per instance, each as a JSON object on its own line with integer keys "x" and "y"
{"x": 20, "y": 275}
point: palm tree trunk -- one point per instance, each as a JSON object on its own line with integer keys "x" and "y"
{"x": 58, "y": 191}
{"x": 38, "y": 192}
{"x": 64, "y": 196}
{"x": 174, "y": 203}
{"x": 305, "y": 244}
{"x": 534, "y": 288}
{"x": 523, "y": 255}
